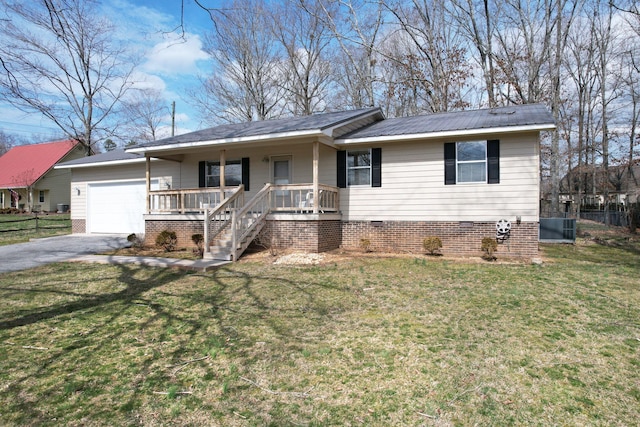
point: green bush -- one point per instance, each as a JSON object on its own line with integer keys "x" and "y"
{"x": 432, "y": 245}
{"x": 489, "y": 246}
{"x": 167, "y": 240}
{"x": 135, "y": 240}
{"x": 198, "y": 240}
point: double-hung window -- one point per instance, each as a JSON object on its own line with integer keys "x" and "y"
{"x": 472, "y": 162}
{"x": 232, "y": 173}
{"x": 359, "y": 167}
{"x": 236, "y": 172}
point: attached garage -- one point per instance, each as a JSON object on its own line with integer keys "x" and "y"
{"x": 108, "y": 191}
{"x": 116, "y": 207}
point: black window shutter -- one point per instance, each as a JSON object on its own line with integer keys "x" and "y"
{"x": 202, "y": 177}
{"x": 245, "y": 173}
{"x": 341, "y": 179}
{"x": 449, "y": 163}
{"x": 376, "y": 167}
{"x": 493, "y": 161}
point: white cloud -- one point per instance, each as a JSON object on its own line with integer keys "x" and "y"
{"x": 142, "y": 80}
{"x": 176, "y": 56}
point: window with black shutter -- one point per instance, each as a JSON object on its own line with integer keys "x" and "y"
{"x": 472, "y": 162}
{"x": 236, "y": 172}
{"x": 362, "y": 167}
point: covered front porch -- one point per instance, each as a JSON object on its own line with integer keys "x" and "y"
{"x": 228, "y": 214}
{"x": 229, "y": 189}
{"x": 303, "y": 216}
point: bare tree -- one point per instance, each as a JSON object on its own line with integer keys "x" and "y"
{"x": 477, "y": 22}
{"x": 7, "y": 141}
{"x": 581, "y": 82}
{"x": 59, "y": 58}
{"x": 433, "y": 65}
{"x": 305, "y": 67}
{"x": 243, "y": 85}
{"x": 604, "y": 40}
{"x": 145, "y": 110}
{"x": 356, "y": 27}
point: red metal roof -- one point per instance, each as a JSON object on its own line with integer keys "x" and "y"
{"x": 25, "y": 164}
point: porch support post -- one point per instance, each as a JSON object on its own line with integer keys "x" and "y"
{"x": 223, "y": 161}
{"x": 148, "y": 181}
{"x": 316, "y": 161}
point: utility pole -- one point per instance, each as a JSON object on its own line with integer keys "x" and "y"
{"x": 173, "y": 118}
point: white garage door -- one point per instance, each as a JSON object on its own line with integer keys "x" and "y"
{"x": 116, "y": 207}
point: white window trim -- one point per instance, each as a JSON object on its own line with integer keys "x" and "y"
{"x": 349, "y": 168}
{"x": 468, "y": 162}
{"x": 229, "y": 162}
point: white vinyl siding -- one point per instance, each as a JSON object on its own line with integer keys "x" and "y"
{"x": 260, "y": 159}
{"x": 164, "y": 173}
{"x": 413, "y": 186}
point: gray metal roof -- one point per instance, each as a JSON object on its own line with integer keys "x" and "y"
{"x": 262, "y": 128}
{"x": 529, "y": 115}
{"x": 110, "y": 156}
{"x": 503, "y": 117}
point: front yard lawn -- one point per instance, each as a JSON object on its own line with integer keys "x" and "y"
{"x": 359, "y": 341}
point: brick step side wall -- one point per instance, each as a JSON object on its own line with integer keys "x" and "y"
{"x": 310, "y": 235}
{"x": 184, "y": 229}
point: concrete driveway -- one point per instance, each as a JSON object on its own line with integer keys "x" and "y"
{"x": 38, "y": 252}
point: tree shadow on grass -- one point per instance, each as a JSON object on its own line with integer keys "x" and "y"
{"x": 232, "y": 302}
{"x": 21, "y": 386}
{"x": 133, "y": 289}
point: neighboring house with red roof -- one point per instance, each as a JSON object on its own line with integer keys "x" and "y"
{"x": 29, "y": 181}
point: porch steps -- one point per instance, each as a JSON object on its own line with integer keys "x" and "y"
{"x": 222, "y": 249}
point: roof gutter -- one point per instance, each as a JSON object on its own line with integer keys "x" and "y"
{"x": 226, "y": 141}
{"x": 445, "y": 134}
{"x": 108, "y": 163}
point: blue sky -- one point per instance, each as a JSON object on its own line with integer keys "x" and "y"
{"x": 166, "y": 62}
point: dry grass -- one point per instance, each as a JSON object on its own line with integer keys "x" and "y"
{"x": 370, "y": 340}
{"x": 20, "y": 228}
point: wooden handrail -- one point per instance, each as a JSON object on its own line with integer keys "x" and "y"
{"x": 223, "y": 211}
{"x": 246, "y": 219}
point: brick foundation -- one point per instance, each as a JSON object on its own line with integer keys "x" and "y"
{"x": 458, "y": 238}
{"x": 184, "y": 229}
{"x": 78, "y": 226}
{"x": 317, "y": 235}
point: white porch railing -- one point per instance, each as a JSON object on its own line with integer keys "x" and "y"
{"x": 299, "y": 198}
{"x": 186, "y": 200}
{"x": 296, "y": 198}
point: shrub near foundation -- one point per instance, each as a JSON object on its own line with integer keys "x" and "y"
{"x": 432, "y": 245}
{"x": 198, "y": 240}
{"x": 167, "y": 240}
{"x": 365, "y": 245}
{"x": 489, "y": 247}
